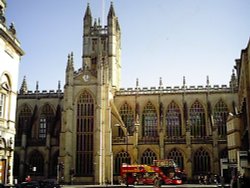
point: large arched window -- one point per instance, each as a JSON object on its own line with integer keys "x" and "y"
{"x": 173, "y": 120}
{"x": 24, "y": 119}
{"x": 127, "y": 116}
{"x": 176, "y": 155}
{"x": 149, "y": 120}
{"x": 85, "y": 135}
{"x": 197, "y": 120}
{"x": 148, "y": 157}
{"x": 220, "y": 118}
{"x": 201, "y": 162}
{"x": 46, "y": 120}
{"x": 121, "y": 157}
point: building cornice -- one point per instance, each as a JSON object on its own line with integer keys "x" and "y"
{"x": 11, "y": 40}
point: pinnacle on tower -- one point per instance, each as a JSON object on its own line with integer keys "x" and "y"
{"x": 70, "y": 64}
{"x": 184, "y": 81}
{"x": 37, "y": 86}
{"x": 59, "y": 86}
{"x": 111, "y": 11}
{"x": 72, "y": 58}
{"x": 87, "y": 13}
{"x": 24, "y": 88}
{"x": 160, "y": 82}
{"x": 137, "y": 83}
{"x": 233, "y": 81}
{"x": 208, "y": 82}
{"x": 87, "y": 21}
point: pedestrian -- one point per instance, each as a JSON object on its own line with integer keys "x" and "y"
{"x": 157, "y": 182}
{"x": 28, "y": 178}
{"x": 222, "y": 181}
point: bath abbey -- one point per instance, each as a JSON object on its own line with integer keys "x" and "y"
{"x": 86, "y": 129}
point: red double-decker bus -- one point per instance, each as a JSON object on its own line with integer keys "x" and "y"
{"x": 164, "y": 170}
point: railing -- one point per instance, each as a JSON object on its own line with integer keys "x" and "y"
{"x": 202, "y": 139}
{"x": 149, "y": 140}
{"x": 119, "y": 140}
{"x": 175, "y": 139}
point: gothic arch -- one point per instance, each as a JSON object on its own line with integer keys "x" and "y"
{"x": 23, "y": 120}
{"x": 84, "y": 91}
{"x": 220, "y": 114}
{"x": 24, "y": 105}
{"x": 197, "y": 119}
{"x": 85, "y": 110}
{"x": 121, "y": 157}
{"x": 173, "y": 121}
{"x": 45, "y": 107}
{"x": 149, "y": 121}
{"x": 201, "y": 161}
{"x": 127, "y": 115}
{"x": 148, "y": 156}
{"x": 46, "y": 120}
{"x": 177, "y": 156}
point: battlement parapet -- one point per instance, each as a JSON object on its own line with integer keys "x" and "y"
{"x": 174, "y": 89}
{"x": 41, "y": 94}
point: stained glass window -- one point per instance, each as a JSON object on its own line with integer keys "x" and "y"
{"x": 149, "y": 120}
{"x": 173, "y": 120}
{"x": 85, "y": 135}
{"x": 197, "y": 120}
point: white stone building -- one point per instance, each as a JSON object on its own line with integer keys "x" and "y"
{"x": 10, "y": 54}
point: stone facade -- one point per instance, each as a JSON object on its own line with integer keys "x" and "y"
{"x": 86, "y": 132}
{"x": 238, "y": 135}
{"x": 10, "y": 53}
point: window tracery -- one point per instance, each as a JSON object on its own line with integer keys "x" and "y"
{"x": 85, "y": 135}
{"x": 46, "y": 120}
{"x": 197, "y": 120}
{"x": 173, "y": 120}
{"x": 121, "y": 157}
{"x": 220, "y": 118}
{"x": 127, "y": 115}
{"x": 24, "y": 119}
{"x": 148, "y": 157}
{"x": 176, "y": 155}
{"x": 149, "y": 121}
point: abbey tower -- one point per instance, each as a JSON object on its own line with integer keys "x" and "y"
{"x": 86, "y": 139}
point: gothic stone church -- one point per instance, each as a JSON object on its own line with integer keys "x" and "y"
{"x": 92, "y": 126}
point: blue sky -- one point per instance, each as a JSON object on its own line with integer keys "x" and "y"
{"x": 160, "y": 38}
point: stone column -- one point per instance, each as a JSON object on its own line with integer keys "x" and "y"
{"x": 188, "y": 166}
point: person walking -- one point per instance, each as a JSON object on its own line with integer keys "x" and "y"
{"x": 157, "y": 181}
{"x": 28, "y": 178}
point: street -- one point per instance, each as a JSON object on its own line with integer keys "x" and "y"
{"x": 142, "y": 186}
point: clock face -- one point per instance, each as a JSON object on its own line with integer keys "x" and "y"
{"x": 85, "y": 77}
